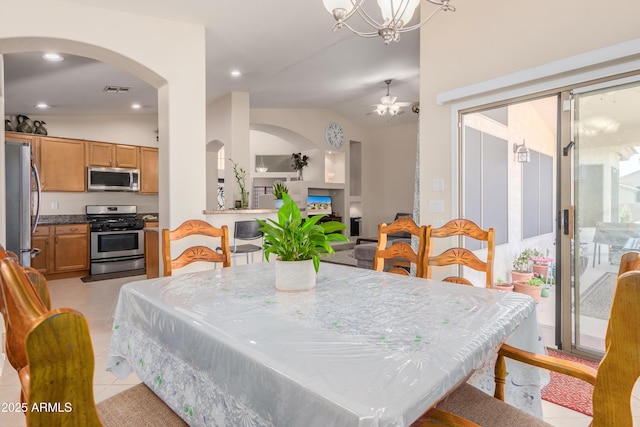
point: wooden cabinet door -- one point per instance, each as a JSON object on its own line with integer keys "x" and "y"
{"x": 41, "y": 239}
{"x": 71, "y": 247}
{"x": 99, "y": 154}
{"x": 62, "y": 164}
{"x": 126, "y": 156}
{"x": 148, "y": 170}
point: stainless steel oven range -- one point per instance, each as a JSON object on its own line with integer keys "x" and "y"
{"x": 117, "y": 239}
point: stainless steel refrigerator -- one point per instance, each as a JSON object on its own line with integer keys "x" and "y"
{"x": 22, "y": 220}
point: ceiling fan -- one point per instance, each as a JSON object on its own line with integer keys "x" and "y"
{"x": 388, "y": 104}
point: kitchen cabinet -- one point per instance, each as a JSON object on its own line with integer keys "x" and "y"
{"x": 64, "y": 250}
{"x": 41, "y": 239}
{"x": 112, "y": 155}
{"x": 62, "y": 164}
{"x": 148, "y": 170}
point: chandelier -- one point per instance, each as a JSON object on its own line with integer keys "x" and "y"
{"x": 396, "y": 14}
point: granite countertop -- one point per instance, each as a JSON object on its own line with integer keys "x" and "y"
{"x": 81, "y": 219}
{"x": 62, "y": 219}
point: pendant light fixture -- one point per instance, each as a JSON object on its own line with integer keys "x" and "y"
{"x": 395, "y": 15}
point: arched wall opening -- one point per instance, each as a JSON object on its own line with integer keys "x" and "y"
{"x": 89, "y": 31}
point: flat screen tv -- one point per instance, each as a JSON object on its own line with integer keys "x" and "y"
{"x": 318, "y": 205}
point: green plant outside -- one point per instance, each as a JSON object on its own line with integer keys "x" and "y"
{"x": 279, "y": 188}
{"x": 292, "y": 240}
{"x": 536, "y": 281}
{"x": 522, "y": 262}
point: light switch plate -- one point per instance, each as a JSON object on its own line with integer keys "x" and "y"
{"x": 54, "y": 205}
{"x": 438, "y": 184}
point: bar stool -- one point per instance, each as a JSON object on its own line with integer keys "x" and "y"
{"x": 246, "y": 230}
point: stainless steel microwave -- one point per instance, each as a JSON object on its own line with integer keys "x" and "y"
{"x": 113, "y": 179}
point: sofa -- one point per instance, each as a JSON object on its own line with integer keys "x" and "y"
{"x": 365, "y": 252}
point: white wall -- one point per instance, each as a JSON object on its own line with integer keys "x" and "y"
{"x": 130, "y": 129}
{"x": 388, "y": 175}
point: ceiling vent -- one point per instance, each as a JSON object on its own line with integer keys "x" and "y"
{"x": 116, "y": 89}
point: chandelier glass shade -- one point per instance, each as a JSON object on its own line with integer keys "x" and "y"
{"x": 395, "y": 15}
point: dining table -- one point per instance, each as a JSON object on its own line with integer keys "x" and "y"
{"x": 363, "y": 348}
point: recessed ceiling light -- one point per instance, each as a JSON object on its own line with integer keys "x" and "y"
{"x": 235, "y": 73}
{"x": 53, "y": 57}
{"x": 42, "y": 105}
{"x": 136, "y": 106}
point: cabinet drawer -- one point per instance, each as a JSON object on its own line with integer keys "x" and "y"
{"x": 72, "y": 229}
{"x": 41, "y": 231}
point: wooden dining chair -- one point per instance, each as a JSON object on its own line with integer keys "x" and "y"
{"x": 195, "y": 227}
{"x": 458, "y": 255}
{"x": 52, "y": 352}
{"x": 398, "y": 255}
{"x": 613, "y": 381}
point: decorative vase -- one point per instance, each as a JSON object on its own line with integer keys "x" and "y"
{"x": 533, "y": 291}
{"x": 545, "y": 292}
{"x": 299, "y": 174}
{"x": 506, "y": 287}
{"x": 24, "y": 124}
{"x": 39, "y": 128}
{"x": 295, "y": 276}
{"x": 518, "y": 276}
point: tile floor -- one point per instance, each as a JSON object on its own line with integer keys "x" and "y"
{"x": 96, "y": 301}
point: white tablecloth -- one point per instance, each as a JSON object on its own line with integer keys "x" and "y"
{"x": 224, "y": 348}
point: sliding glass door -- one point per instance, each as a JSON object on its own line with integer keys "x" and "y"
{"x": 605, "y": 180}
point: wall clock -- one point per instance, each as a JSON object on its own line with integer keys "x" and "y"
{"x": 334, "y": 135}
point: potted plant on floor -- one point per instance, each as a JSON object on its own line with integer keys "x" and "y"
{"x": 532, "y": 287}
{"x": 297, "y": 244}
{"x": 279, "y": 188}
{"x": 522, "y": 266}
{"x": 502, "y": 286}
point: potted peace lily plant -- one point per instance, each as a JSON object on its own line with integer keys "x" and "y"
{"x": 297, "y": 244}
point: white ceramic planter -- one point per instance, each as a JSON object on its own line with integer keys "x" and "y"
{"x": 294, "y": 276}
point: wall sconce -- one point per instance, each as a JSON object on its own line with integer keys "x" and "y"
{"x": 522, "y": 152}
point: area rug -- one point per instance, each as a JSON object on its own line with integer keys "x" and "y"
{"x": 596, "y": 301}
{"x": 343, "y": 254}
{"x": 116, "y": 275}
{"x": 567, "y": 391}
